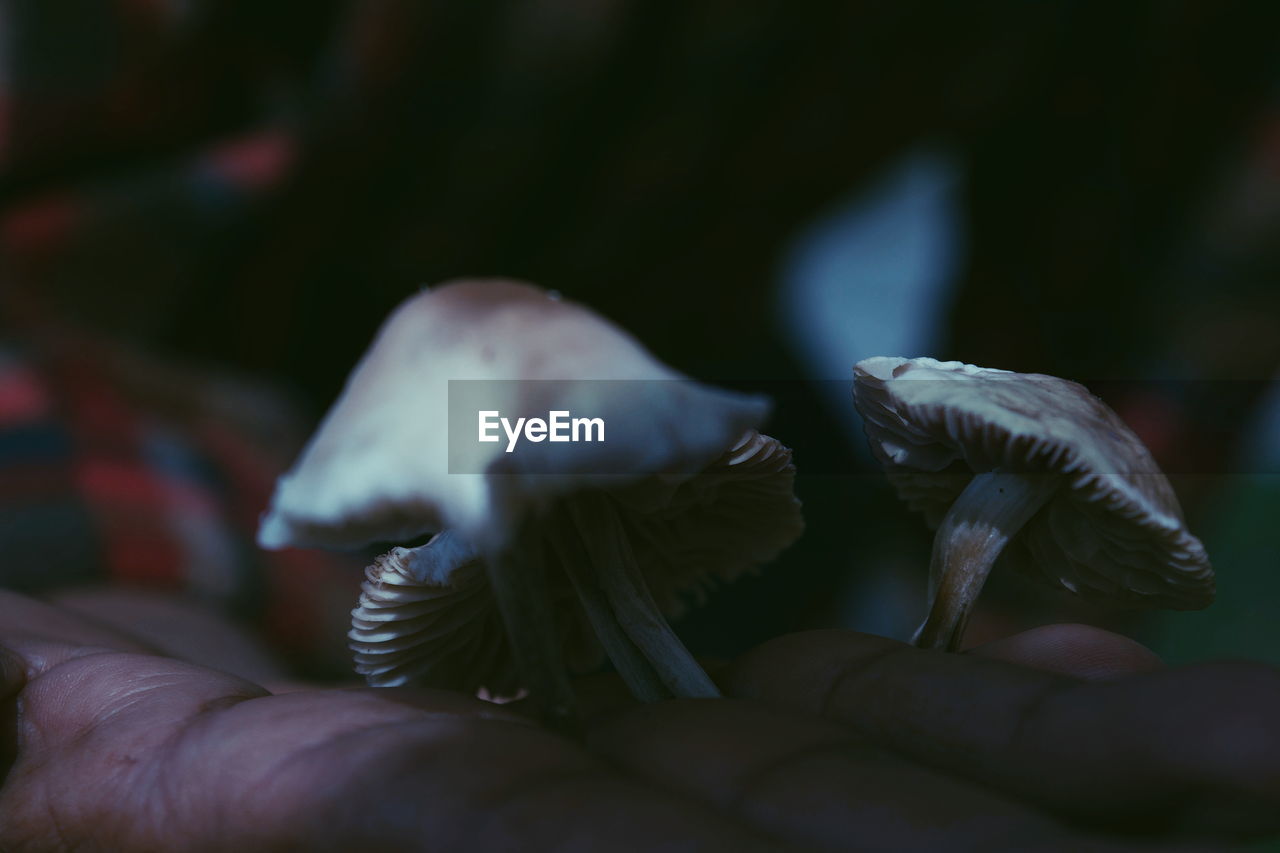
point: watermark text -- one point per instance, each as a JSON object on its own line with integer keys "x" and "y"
{"x": 559, "y": 425}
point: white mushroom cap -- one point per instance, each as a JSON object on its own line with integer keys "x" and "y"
{"x": 378, "y": 467}
{"x": 1113, "y": 532}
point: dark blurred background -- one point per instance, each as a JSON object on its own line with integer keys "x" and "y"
{"x": 207, "y": 208}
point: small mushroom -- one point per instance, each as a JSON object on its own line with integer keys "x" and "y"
{"x": 596, "y": 517}
{"x": 1035, "y": 463}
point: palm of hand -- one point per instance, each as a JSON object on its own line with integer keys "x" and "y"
{"x": 120, "y": 749}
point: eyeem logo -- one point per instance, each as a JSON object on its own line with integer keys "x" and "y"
{"x": 559, "y": 426}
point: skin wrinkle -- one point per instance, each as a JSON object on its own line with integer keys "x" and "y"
{"x": 1013, "y": 829}
{"x": 484, "y": 808}
{"x": 46, "y": 798}
{"x": 539, "y": 784}
{"x": 123, "y": 702}
{"x": 869, "y": 680}
{"x": 492, "y": 809}
{"x": 159, "y": 805}
{"x": 474, "y": 811}
{"x": 170, "y": 752}
{"x": 55, "y": 826}
{"x": 261, "y": 790}
{"x": 223, "y": 703}
{"x": 856, "y": 670}
{"x": 731, "y": 801}
{"x": 861, "y": 676}
{"x": 748, "y": 783}
{"x": 145, "y": 688}
{"x": 903, "y": 740}
{"x": 1032, "y": 708}
{"x": 760, "y": 777}
{"x": 728, "y": 809}
{"x": 187, "y": 739}
{"x": 535, "y": 782}
{"x": 162, "y": 800}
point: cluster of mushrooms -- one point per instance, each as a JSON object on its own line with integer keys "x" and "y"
{"x": 540, "y": 565}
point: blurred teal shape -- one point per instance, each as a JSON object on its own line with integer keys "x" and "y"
{"x": 874, "y": 275}
{"x": 1242, "y": 533}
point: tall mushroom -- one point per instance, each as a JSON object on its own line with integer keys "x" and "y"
{"x": 398, "y": 456}
{"x": 1035, "y": 463}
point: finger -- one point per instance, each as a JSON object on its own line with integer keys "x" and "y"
{"x": 460, "y": 784}
{"x": 363, "y": 772}
{"x": 176, "y": 626}
{"x": 332, "y": 770}
{"x": 817, "y": 785}
{"x": 1195, "y": 749}
{"x": 24, "y": 618}
{"x": 1080, "y": 651}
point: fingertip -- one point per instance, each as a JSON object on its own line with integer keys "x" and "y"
{"x": 1080, "y": 651}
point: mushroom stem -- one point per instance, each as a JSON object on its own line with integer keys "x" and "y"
{"x": 623, "y": 584}
{"x": 987, "y": 514}
{"x": 517, "y": 579}
{"x": 630, "y": 662}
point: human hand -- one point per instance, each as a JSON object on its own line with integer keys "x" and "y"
{"x": 120, "y": 749}
{"x": 1088, "y": 727}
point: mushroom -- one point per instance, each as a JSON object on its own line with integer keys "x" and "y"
{"x": 398, "y": 456}
{"x": 1031, "y": 463}
{"x": 427, "y": 617}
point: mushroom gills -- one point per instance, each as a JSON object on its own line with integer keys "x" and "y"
{"x": 990, "y": 511}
